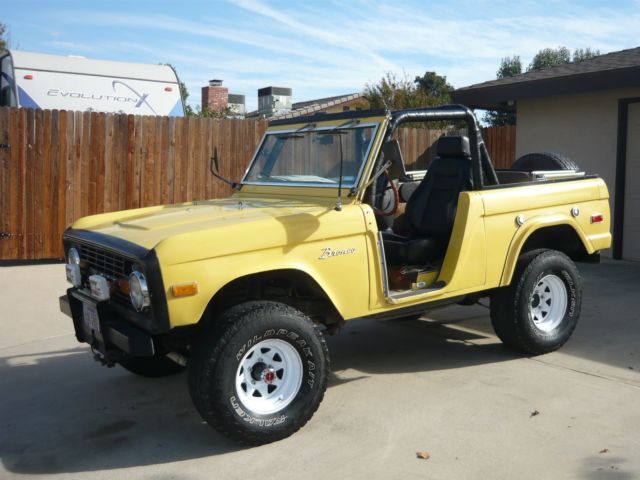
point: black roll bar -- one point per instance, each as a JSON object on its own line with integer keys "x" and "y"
{"x": 480, "y": 162}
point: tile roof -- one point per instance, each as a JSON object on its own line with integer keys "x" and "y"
{"x": 313, "y": 106}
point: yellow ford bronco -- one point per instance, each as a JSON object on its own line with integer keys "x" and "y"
{"x": 327, "y": 225}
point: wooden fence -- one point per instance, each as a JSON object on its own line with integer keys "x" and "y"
{"x": 501, "y": 144}
{"x": 57, "y": 166}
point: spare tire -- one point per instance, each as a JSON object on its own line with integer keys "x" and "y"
{"x": 544, "y": 161}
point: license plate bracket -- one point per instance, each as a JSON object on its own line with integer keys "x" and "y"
{"x": 90, "y": 318}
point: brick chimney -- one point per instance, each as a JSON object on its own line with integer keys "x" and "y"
{"x": 215, "y": 96}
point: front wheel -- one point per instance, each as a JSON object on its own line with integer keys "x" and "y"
{"x": 259, "y": 374}
{"x": 539, "y": 311}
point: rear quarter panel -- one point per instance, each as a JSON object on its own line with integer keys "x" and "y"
{"x": 543, "y": 205}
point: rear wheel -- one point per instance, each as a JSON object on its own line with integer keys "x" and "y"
{"x": 260, "y": 373}
{"x": 538, "y": 312}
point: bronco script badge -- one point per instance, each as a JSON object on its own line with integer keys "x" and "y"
{"x": 328, "y": 252}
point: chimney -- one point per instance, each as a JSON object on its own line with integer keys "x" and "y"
{"x": 274, "y": 100}
{"x": 214, "y": 96}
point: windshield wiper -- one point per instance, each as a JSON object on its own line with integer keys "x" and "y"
{"x": 288, "y": 136}
{"x": 339, "y": 131}
{"x": 297, "y": 133}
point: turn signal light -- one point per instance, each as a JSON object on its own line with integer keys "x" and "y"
{"x": 184, "y": 289}
{"x": 168, "y": 89}
{"x": 598, "y": 218}
{"x": 28, "y": 77}
{"x": 123, "y": 286}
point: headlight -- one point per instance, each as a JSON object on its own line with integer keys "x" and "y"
{"x": 73, "y": 256}
{"x": 138, "y": 291}
{"x": 74, "y": 277}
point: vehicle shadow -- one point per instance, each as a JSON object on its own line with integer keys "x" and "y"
{"x": 407, "y": 346}
{"x": 63, "y": 413}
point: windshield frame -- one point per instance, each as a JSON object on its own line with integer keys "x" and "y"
{"x": 309, "y": 129}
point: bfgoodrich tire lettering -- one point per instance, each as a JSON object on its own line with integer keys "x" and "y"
{"x": 542, "y": 277}
{"x": 253, "y": 328}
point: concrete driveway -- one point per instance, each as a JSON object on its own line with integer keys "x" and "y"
{"x": 397, "y": 387}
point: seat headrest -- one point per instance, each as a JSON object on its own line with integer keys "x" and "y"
{"x": 453, "y": 147}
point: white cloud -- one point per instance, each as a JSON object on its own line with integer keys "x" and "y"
{"x": 326, "y": 49}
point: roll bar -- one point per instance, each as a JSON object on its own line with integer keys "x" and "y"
{"x": 481, "y": 166}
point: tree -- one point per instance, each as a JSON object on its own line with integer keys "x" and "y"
{"x": 3, "y": 38}
{"x": 207, "y": 112}
{"x": 550, "y": 57}
{"x": 509, "y": 66}
{"x": 396, "y": 93}
{"x": 184, "y": 93}
{"x": 435, "y": 87}
{"x": 400, "y": 92}
{"x": 581, "y": 54}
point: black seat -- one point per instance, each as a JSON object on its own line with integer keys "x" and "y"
{"x": 431, "y": 209}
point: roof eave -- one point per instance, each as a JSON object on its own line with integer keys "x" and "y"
{"x": 496, "y": 96}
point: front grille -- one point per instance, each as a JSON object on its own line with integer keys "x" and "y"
{"x": 112, "y": 266}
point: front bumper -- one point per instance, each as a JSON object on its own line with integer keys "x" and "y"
{"x": 105, "y": 326}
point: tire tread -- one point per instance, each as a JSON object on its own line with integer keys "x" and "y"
{"x": 505, "y": 303}
{"x": 221, "y": 332}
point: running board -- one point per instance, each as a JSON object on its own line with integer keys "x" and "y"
{"x": 412, "y": 293}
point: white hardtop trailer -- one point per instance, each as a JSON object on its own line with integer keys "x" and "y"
{"x": 38, "y": 80}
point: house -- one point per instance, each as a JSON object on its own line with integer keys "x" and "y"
{"x": 275, "y": 102}
{"x": 340, "y": 103}
{"x": 588, "y": 110}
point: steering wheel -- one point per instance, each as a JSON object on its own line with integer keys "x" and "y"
{"x": 387, "y": 198}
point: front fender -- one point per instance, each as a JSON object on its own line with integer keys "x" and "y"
{"x": 343, "y": 278}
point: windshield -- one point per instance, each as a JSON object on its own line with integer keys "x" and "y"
{"x": 312, "y": 156}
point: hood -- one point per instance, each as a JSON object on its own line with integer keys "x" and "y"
{"x": 236, "y": 223}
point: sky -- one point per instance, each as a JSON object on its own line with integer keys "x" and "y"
{"x": 318, "y": 48}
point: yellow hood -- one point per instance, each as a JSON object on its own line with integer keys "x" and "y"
{"x": 226, "y": 226}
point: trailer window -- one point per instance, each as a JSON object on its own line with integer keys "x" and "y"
{"x": 7, "y": 83}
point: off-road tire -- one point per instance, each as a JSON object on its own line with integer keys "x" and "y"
{"x": 544, "y": 161}
{"x": 152, "y": 367}
{"x": 224, "y": 344}
{"x": 511, "y": 307}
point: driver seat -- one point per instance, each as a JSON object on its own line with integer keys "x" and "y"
{"x": 431, "y": 210}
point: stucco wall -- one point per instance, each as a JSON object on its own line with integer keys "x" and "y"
{"x": 582, "y": 126}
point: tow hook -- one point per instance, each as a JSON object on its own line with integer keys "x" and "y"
{"x": 106, "y": 361}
